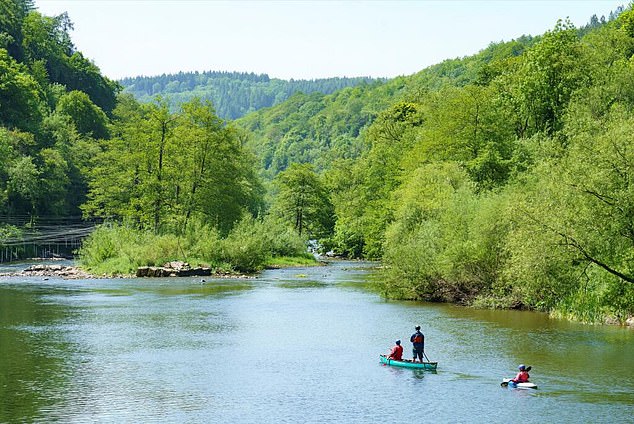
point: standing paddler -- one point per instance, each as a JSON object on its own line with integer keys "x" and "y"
{"x": 418, "y": 342}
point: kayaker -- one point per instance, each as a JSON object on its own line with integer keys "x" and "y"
{"x": 418, "y": 341}
{"x": 397, "y": 351}
{"x": 522, "y": 376}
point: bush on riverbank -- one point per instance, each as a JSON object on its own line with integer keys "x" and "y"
{"x": 499, "y": 250}
{"x": 516, "y": 191}
{"x": 119, "y": 249}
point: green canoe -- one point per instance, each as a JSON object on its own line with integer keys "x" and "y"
{"x": 409, "y": 364}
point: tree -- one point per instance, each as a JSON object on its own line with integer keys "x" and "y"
{"x": 23, "y": 185}
{"x": 391, "y": 138}
{"x": 85, "y": 76}
{"x": 115, "y": 174}
{"x": 46, "y": 38}
{"x": 54, "y": 184}
{"x": 163, "y": 169}
{"x": 444, "y": 242}
{"x": 302, "y": 201}
{"x": 19, "y": 95}
{"x": 88, "y": 118}
{"x": 12, "y": 13}
{"x": 217, "y": 180}
{"x": 599, "y": 197}
{"x": 545, "y": 80}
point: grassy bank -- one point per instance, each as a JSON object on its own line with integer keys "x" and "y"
{"x": 251, "y": 246}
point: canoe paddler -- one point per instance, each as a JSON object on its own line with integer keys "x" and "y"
{"x": 396, "y": 352}
{"x": 418, "y": 343}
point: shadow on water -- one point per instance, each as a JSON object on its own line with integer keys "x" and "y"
{"x": 33, "y": 354}
{"x": 179, "y": 288}
{"x": 310, "y": 284}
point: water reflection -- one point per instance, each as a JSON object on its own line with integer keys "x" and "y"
{"x": 33, "y": 354}
{"x": 310, "y": 284}
{"x": 290, "y": 341}
{"x": 176, "y": 288}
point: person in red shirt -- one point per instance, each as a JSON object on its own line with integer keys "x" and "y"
{"x": 522, "y": 376}
{"x": 397, "y": 352}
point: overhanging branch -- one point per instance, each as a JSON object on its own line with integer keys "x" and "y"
{"x": 572, "y": 242}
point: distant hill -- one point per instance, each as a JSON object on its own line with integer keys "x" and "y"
{"x": 323, "y": 128}
{"x": 233, "y": 94}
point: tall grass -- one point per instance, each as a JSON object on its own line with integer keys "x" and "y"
{"x": 120, "y": 249}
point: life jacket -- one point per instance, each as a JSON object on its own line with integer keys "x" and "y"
{"x": 521, "y": 377}
{"x": 418, "y": 338}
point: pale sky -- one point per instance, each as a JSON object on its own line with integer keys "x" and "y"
{"x": 302, "y": 39}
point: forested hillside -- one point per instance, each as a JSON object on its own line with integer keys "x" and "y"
{"x": 321, "y": 129}
{"x": 169, "y": 184}
{"x": 233, "y": 94}
{"x": 54, "y": 104}
{"x": 499, "y": 180}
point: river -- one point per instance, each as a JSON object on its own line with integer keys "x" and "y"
{"x": 292, "y": 346}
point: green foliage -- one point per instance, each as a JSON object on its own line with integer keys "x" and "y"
{"x": 56, "y": 184}
{"x": 89, "y": 119}
{"x": 233, "y": 94}
{"x": 83, "y": 75}
{"x": 169, "y": 168}
{"x": 545, "y": 79}
{"x": 500, "y": 179}
{"x": 19, "y": 95}
{"x": 245, "y": 247}
{"x": 302, "y": 201}
{"x": 12, "y": 14}
{"x": 8, "y": 232}
{"x": 121, "y": 249}
{"x": 507, "y": 191}
{"x": 315, "y": 128}
{"x": 445, "y": 240}
{"x": 47, "y": 40}
{"x": 22, "y": 185}
{"x": 51, "y": 102}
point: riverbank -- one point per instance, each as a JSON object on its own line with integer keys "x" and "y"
{"x": 169, "y": 269}
{"x": 69, "y": 272}
{"x": 66, "y": 272}
{"x": 183, "y": 269}
{"x": 250, "y": 247}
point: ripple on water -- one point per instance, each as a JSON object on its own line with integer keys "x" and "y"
{"x": 284, "y": 348}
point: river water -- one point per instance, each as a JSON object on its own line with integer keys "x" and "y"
{"x": 292, "y": 346}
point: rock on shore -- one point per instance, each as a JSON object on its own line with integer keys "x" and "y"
{"x": 172, "y": 269}
{"x": 61, "y": 271}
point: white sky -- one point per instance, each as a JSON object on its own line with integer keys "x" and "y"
{"x": 302, "y": 39}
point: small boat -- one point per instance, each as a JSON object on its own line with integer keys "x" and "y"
{"x": 409, "y": 364}
{"x": 513, "y": 385}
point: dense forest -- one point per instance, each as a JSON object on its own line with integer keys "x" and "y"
{"x": 167, "y": 184}
{"x": 496, "y": 180}
{"x": 233, "y": 94}
{"x": 54, "y": 104}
